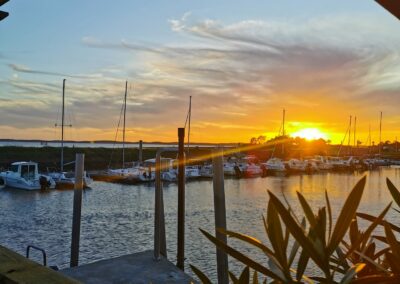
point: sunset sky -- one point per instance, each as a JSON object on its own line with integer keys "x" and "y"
{"x": 241, "y": 61}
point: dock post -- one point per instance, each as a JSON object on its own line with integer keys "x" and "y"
{"x": 181, "y": 200}
{"x": 76, "y": 217}
{"x": 159, "y": 219}
{"x": 140, "y": 158}
{"x": 220, "y": 213}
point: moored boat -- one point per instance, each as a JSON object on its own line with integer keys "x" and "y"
{"x": 295, "y": 165}
{"x": 25, "y": 175}
{"x": 274, "y": 165}
{"x": 66, "y": 180}
{"x": 253, "y": 170}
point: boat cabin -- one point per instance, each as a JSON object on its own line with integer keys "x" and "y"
{"x": 26, "y": 170}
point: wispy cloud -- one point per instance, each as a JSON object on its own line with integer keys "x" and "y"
{"x": 240, "y": 75}
{"x": 25, "y": 69}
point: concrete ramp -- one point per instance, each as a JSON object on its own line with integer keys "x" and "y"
{"x": 133, "y": 268}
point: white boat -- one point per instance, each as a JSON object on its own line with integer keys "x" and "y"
{"x": 142, "y": 173}
{"x": 275, "y": 165}
{"x": 25, "y": 175}
{"x": 252, "y": 170}
{"x": 122, "y": 174}
{"x": 192, "y": 172}
{"x": 234, "y": 166}
{"x": 322, "y": 163}
{"x": 340, "y": 163}
{"x": 297, "y": 165}
{"x": 207, "y": 171}
{"x": 168, "y": 169}
{"x": 66, "y": 180}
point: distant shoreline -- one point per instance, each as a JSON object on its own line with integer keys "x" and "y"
{"x": 115, "y": 142}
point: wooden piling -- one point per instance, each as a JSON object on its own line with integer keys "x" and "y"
{"x": 181, "y": 200}
{"x": 140, "y": 158}
{"x": 76, "y": 217}
{"x": 220, "y": 214}
{"x": 160, "y": 247}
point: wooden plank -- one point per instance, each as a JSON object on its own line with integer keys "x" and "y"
{"x": 393, "y": 6}
{"x": 15, "y": 268}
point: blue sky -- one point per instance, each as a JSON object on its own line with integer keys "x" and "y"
{"x": 241, "y": 60}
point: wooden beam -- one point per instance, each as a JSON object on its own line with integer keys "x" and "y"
{"x": 15, "y": 268}
{"x": 393, "y": 6}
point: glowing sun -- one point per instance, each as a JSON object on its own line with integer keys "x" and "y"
{"x": 309, "y": 134}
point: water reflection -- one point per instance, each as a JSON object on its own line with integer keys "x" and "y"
{"x": 118, "y": 219}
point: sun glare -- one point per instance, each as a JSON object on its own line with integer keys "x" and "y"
{"x": 310, "y": 134}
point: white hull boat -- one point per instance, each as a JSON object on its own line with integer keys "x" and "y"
{"x": 296, "y": 165}
{"x": 275, "y": 165}
{"x": 25, "y": 175}
{"x": 252, "y": 170}
{"x": 192, "y": 172}
{"x": 207, "y": 171}
{"x": 66, "y": 180}
{"x": 142, "y": 174}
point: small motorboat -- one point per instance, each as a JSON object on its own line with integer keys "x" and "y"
{"x": 25, "y": 175}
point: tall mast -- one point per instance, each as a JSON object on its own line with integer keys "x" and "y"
{"x": 370, "y": 140}
{"x": 190, "y": 114}
{"x": 348, "y": 139}
{"x": 355, "y": 125}
{"x": 123, "y": 129}
{"x": 62, "y": 128}
{"x": 283, "y": 131}
{"x": 380, "y": 134}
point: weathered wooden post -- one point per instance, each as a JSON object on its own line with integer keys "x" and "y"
{"x": 76, "y": 217}
{"x": 160, "y": 247}
{"x": 181, "y": 200}
{"x": 220, "y": 213}
{"x": 140, "y": 158}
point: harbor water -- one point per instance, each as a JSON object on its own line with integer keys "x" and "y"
{"x": 119, "y": 219}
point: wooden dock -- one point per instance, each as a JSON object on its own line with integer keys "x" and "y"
{"x": 133, "y": 268}
{"x": 14, "y": 268}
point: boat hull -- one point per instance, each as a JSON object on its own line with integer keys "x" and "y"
{"x": 25, "y": 185}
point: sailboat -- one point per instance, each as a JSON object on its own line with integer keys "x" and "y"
{"x": 122, "y": 174}
{"x": 66, "y": 180}
{"x": 275, "y": 164}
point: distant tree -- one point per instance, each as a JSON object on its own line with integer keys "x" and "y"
{"x": 253, "y": 140}
{"x": 261, "y": 139}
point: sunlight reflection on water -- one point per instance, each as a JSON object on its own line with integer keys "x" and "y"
{"x": 118, "y": 219}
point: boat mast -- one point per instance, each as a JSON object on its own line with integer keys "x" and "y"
{"x": 380, "y": 134}
{"x": 190, "y": 114}
{"x": 348, "y": 139}
{"x": 283, "y": 132}
{"x": 62, "y": 128}
{"x": 369, "y": 137}
{"x": 355, "y": 125}
{"x": 123, "y": 129}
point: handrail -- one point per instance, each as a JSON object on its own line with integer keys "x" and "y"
{"x": 39, "y": 249}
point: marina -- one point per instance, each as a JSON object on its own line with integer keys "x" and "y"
{"x": 285, "y": 166}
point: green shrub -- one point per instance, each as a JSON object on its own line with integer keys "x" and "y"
{"x": 342, "y": 252}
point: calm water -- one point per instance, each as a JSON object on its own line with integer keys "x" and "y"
{"x": 118, "y": 219}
